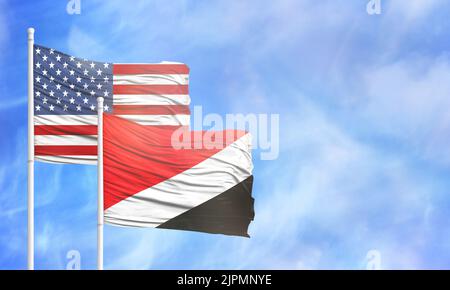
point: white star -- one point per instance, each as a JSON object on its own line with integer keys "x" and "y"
{"x": 65, "y": 107}
{"x": 52, "y": 79}
{"x": 106, "y": 93}
{"x": 51, "y": 65}
{"x": 85, "y": 72}
{"x": 92, "y": 108}
{"x": 51, "y": 107}
{"x": 106, "y": 79}
{"x": 78, "y": 108}
{"x": 65, "y": 78}
{"x": 72, "y": 100}
{"x": 72, "y": 86}
{"x": 78, "y": 80}
{"x": 92, "y": 64}
{"x": 65, "y": 64}
{"x": 38, "y": 94}
{"x": 92, "y": 93}
{"x": 72, "y": 72}
{"x": 78, "y": 94}
{"x": 58, "y": 101}
{"x": 58, "y": 72}
{"x": 52, "y": 51}
{"x": 78, "y": 65}
{"x": 58, "y": 86}
{"x": 85, "y": 100}
{"x": 58, "y": 57}
{"x": 106, "y": 107}
{"x": 72, "y": 58}
{"x": 99, "y": 72}
{"x": 38, "y": 51}
{"x": 44, "y": 72}
{"x": 99, "y": 86}
{"x": 38, "y": 79}
{"x": 106, "y": 65}
{"x": 38, "y": 65}
{"x": 92, "y": 79}
{"x": 52, "y": 93}
{"x": 44, "y": 58}
{"x": 38, "y": 108}
{"x": 85, "y": 86}
{"x": 44, "y": 100}
{"x": 65, "y": 93}
{"x": 44, "y": 86}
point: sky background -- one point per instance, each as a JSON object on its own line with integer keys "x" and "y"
{"x": 363, "y": 100}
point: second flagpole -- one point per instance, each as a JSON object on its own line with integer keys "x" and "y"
{"x": 100, "y": 184}
{"x": 30, "y": 238}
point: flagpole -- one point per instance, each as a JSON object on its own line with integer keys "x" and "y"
{"x": 30, "y": 234}
{"x": 100, "y": 184}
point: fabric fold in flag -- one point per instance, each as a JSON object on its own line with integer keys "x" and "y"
{"x": 149, "y": 183}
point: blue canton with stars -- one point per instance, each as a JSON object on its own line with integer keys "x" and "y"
{"x": 66, "y": 85}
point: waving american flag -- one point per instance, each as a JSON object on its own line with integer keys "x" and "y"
{"x": 65, "y": 101}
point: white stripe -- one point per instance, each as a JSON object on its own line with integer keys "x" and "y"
{"x": 152, "y": 100}
{"x": 75, "y": 140}
{"x": 170, "y": 198}
{"x": 159, "y": 120}
{"x": 151, "y": 79}
{"x": 146, "y": 63}
{"x": 151, "y": 120}
{"x": 65, "y": 120}
{"x": 68, "y": 159}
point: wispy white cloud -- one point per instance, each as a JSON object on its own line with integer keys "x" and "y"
{"x": 407, "y": 99}
{"x": 413, "y": 10}
{"x": 82, "y": 44}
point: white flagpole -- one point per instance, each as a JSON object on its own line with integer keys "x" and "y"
{"x": 30, "y": 236}
{"x": 100, "y": 184}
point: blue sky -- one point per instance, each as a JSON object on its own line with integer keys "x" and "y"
{"x": 363, "y": 100}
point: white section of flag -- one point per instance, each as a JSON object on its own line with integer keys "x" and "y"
{"x": 151, "y": 79}
{"x": 152, "y": 100}
{"x": 159, "y": 120}
{"x": 152, "y": 120}
{"x": 65, "y": 120}
{"x": 69, "y": 159}
{"x": 66, "y": 140}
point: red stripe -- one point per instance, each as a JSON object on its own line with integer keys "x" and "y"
{"x": 150, "y": 89}
{"x": 132, "y": 69}
{"x": 65, "y": 150}
{"x": 151, "y": 110}
{"x": 65, "y": 130}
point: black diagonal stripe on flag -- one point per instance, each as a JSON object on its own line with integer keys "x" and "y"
{"x": 228, "y": 213}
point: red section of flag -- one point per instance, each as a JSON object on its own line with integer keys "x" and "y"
{"x": 133, "y": 69}
{"x": 65, "y": 150}
{"x": 65, "y": 130}
{"x": 137, "y": 157}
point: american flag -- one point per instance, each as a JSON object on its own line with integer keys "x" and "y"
{"x": 65, "y": 101}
